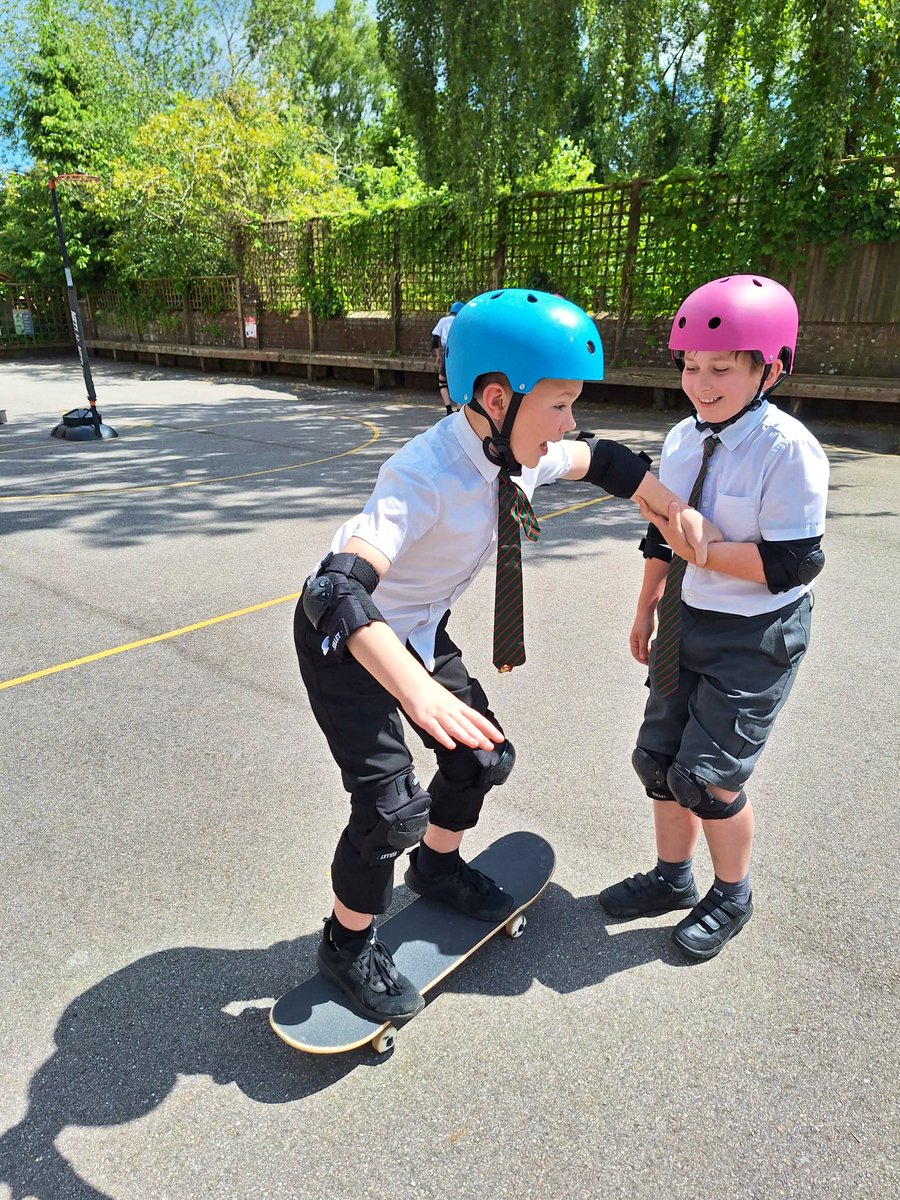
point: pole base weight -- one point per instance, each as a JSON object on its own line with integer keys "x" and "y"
{"x": 82, "y": 425}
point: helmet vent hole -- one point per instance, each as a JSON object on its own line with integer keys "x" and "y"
{"x": 682, "y": 322}
{"x": 756, "y": 283}
{"x": 715, "y": 322}
{"x": 496, "y": 295}
{"x": 591, "y": 348}
{"x": 532, "y": 299}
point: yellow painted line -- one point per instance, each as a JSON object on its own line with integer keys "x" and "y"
{"x": 241, "y": 612}
{"x": 559, "y": 512}
{"x": 186, "y": 483}
{"x": 159, "y": 637}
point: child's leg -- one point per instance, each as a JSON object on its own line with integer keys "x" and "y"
{"x": 388, "y": 813}
{"x": 747, "y": 667}
{"x": 670, "y": 884}
{"x": 677, "y": 831}
{"x": 463, "y": 779}
{"x": 730, "y": 842}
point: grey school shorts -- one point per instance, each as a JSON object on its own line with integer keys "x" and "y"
{"x": 735, "y": 673}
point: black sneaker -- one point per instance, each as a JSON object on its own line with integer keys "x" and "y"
{"x": 646, "y": 896}
{"x": 369, "y": 978}
{"x": 714, "y": 921}
{"x": 466, "y": 889}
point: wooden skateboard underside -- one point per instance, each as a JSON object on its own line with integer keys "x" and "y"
{"x": 427, "y": 940}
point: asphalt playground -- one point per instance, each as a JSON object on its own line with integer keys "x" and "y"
{"x": 169, "y": 811}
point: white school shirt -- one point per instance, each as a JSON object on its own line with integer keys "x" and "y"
{"x": 443, "y": 328}
{"x": 433, "y": 513}
{"x": 768, "y": 480}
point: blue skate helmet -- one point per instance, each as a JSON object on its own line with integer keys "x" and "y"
{"x": 526, "y": 335}
{"x": 456, "y": 306}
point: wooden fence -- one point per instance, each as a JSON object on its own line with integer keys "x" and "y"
{"x": 627, "y": 253}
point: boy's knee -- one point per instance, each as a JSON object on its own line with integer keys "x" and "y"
{"x": 390, "y": 820}
{"x": 694, "y": 793}
{"x": 464, "y": 777}
{"x": 651, "y": 768}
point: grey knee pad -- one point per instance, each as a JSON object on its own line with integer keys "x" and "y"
{"x": 651, "y": 771}
{"x": 399, "y": 821}
{"x": 694, "y": 794}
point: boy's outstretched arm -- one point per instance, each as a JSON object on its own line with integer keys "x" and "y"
{"x": 621, "y": 472}
{"x": 427, "y": 703}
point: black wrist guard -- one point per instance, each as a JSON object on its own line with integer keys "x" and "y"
{"x": 338, "y": 599}
{"x": 654, "y": 545}
{"x": 615, "y": 468}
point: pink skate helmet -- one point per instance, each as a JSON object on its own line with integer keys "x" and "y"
{"x": 739, "y": 312}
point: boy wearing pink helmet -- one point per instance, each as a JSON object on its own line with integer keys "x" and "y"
{"x": 729, "y": 635}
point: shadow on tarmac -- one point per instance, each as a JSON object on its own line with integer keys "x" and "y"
{"x": 181, "y": 469}
{"x": 121, "y": 1045}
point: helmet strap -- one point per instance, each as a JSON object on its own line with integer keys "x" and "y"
{"x": 497, "y": 449}
{"x": 718, "y": 426}
{"x": 762, "y": 393}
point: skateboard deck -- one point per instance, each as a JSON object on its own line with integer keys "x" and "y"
{"x": 428, "y": 941}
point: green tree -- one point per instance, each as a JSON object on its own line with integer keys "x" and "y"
{"x": 482, "y": 88}
{"x": 208, "y": 168}
{"x": 330, "y": 61}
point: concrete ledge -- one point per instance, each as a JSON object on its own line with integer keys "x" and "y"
{"x": 327, "y": 359}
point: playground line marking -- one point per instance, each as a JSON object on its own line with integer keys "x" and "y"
{"x": 240, "y": 612}
{"x": 186, "y": 483}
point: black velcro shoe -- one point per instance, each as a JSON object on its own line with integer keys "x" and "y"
{"x": 715, "y": 921}
{"x": 466, "y": 889}
{"x": 646, "y": 896}
{"x": 369, "y": 979}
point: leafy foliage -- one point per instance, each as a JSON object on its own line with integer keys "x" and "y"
{"x": 209, "y": 117}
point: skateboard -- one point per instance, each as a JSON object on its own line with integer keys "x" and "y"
{"x": 428, "y": 940}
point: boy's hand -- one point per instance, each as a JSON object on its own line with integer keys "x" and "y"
{"x": 698, "y": 532}
{"x": 438, "y": 712}
{"x": 687, "y": 532}
{"x": 642, "y": 634}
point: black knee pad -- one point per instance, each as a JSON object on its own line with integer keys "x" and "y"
{"x": 694, "y": 794}
{"x": 395, "y": 821}
{"x": 465, "y": 777}
{"x": 651, "y": 770}
{"x": 496, "y": 765}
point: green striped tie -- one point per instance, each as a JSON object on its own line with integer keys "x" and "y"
{"x": 668, "y": 613}
{"x": 515, "y": 514}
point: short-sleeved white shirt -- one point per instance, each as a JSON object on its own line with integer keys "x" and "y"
{"x": 433, "y": 513}
{"x": 768, "y": 480}
{"x": 442, "y": 328}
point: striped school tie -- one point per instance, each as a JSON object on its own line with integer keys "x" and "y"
{"x": 668, "y": 614}
{"x": 514, "y": 515}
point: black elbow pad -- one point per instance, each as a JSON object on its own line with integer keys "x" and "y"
{"x": 338, "y": 599}
{"x": 615, "y": 468}
{"x": 791, "y": 564}
{"x": 654, "y": 545}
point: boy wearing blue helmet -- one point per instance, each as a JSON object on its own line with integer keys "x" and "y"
{"x": 371, "y": 627}
{"x": 439, "y": 337}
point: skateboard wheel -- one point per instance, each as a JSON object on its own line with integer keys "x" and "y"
{"x": 516, "y": 926}
{"x": 385, "y": 1040}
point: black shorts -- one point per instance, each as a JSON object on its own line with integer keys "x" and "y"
{"x": 362, "y": 724}
{"x": 735, "y": 673}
